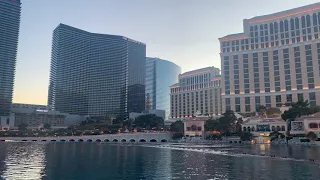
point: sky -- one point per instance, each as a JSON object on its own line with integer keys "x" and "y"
{"x": 185, "y": 32}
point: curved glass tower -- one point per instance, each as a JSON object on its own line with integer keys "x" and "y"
{"x": 96, "y": 74}
{"x": 160, "y": 74}
{"x": 9, "y": 34}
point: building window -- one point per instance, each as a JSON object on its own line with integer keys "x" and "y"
{"x": 237, "y": 104}
{"x": 268, "y": 101}
{"x": 313, "y": 126}
{"x": 312, "y": 98}
{"x": 278, "y": 101}
{"x": 289, "y": 98}
{"x": 298, "y": 67}
{"x": 238, "y": 108}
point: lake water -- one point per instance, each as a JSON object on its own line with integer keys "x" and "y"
{"x": 102, "y": 161}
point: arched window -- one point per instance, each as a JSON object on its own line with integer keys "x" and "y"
{"x": 281, "y": 26}
{"x": 271, "y": 28}
{"x": 275, "y": 26}
{"x": 273, "y": 128}
{"x": 249, "y": 129}
{"x": 283, "y": 128}
{"x": 265, "y": 26}
{"x": 313, "y": 125}
{"x": 291, "y": 24}
{"x": 315, "y": 20}
{"x": 256, "y": 28}
{"x": 252, "y": 128}
{"x": 319, "y": 18}
{"x": 286, "y": 25}
{"x": 261, "y": 27}
{"x": 303, "y": 21}
{"x": 244, "y": 129}
{"x": 308, "y": 20}
{"x": 297, "y": 23}
{"x": 278, "y": 128}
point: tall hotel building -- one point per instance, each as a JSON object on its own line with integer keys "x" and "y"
{"x": 96, "y": 74}
{"x": 160, "y": 74}
{"x": 276, "y": 60}
{"x": 9, "y": 34}
{"x": 197, "y": 91}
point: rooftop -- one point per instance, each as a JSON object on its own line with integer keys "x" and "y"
{"x": 61, "y": 25}
{"x": 198, "y": 71}
{"x": 285, "y": 14}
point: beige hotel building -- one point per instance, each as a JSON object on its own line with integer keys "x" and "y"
{"x": 196, "y": 91}
{"x": 275, "y": 60}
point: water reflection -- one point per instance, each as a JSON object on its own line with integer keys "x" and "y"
{"x": 82, "y": 161}
{"x": 19, "y": 162}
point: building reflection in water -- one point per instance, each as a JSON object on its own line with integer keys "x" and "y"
{"x": 82, "y": 161}
{"x": 22, "y": 161}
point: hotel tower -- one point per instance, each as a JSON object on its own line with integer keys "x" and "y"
{"x": 275, "y": 60}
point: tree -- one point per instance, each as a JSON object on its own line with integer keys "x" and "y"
{"x": 211, "y": 125}
{"x": 298, "y": 109}
{"x": 227, "y": 122}
{"x": 246, "y": 136}
{"x": 22, "y": 127}
{"x": 127, "y": 124}
{"x": 238, "y": 125}
{"x": 71, "y": 128}
{"x": 149, "y": 121}
{"x": 273, "y": 112}
{"x": 261, "y": 110}
{"x": 46, "y": 126}
{"x": 118, "y": 120}
{"x": 177, "y": 135}
{"x": 177, "y": 126}
{"x": 312, "y": 136}
{"x": 276, "y": 135}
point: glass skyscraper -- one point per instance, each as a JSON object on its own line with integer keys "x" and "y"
{"x": 160, "y": 74}
{"x": 96, "y": 74}
{"x": 9, "y": 34}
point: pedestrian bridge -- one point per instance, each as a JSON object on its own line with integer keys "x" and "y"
{"x": 125, "y": 137}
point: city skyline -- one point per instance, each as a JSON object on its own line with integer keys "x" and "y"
{"x": 194, "y": 20}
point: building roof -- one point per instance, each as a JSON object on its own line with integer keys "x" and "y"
{"x": 161, "y": 60}
{"x": 271, "y": 18}
{"x": 233, "y": 37}
{"x": 198, "y": 71}
{"x": 285, "y": 14}
{"x": 315, "y": 116}
{"x": 261, "y": 119}
{"x": 61, "y": 25}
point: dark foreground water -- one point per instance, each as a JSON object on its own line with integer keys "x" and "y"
{"x": 90, "y": 161}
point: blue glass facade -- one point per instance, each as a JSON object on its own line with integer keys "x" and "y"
{"x": 160, "y": 74}
{"x": 96, "y": 74}
{"x": 9, "y": 34}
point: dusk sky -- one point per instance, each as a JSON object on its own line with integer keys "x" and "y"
{"x": 185, "y": 32}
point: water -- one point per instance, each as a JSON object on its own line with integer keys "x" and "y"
{"x": 83, "y": 161}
